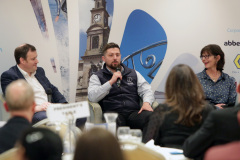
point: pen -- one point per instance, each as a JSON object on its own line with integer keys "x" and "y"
{"x": 175, "y": 153}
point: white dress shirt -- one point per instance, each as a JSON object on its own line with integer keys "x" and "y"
{"x": 39, "y": 92}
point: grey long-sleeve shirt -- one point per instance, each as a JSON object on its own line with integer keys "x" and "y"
{"x": 97, "y": 91}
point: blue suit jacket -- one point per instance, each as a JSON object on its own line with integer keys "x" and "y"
{"x": 13, "y": 74}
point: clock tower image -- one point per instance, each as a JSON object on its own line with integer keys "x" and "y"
{"x": 97, "y": 37}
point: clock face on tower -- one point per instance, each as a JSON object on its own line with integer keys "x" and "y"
{"x": 96, "y": 17}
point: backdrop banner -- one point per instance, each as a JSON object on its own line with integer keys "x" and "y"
{"x": 155, "y": 35}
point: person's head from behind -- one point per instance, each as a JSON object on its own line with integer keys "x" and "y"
{"x": 111, "y": 55}
{"x": 39, "y": 144}
{"x": 98, "y": 144}
{"x": 26, "y": 57}
{"x": 19, "y": 98}
{"x": 184, "y": 94}
{"x": 213, "y": 56}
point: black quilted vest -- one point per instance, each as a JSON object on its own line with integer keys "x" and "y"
{"x": 121, "y": 99}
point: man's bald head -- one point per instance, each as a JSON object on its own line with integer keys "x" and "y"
{"x": 19, "y": 95}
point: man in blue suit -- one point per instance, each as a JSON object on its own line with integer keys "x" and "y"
{"x": 26, "y": 68}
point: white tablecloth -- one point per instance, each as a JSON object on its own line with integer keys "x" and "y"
{"x": 169, "y": 153}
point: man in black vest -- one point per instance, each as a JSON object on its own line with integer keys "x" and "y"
{"x": 118, "y": 88}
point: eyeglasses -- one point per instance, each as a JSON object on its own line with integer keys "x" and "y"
{"x": 205, "y": 56}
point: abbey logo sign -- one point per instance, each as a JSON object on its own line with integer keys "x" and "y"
{"x": 237, "y": 61}
{"x": 231, "y": 43}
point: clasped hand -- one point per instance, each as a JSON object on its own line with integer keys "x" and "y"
{"x": 42, "y": 107}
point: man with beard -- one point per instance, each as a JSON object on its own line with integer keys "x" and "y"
{"x": 119, "y": 89}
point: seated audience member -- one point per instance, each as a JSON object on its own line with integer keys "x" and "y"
{"x": 220, "y": 127}
{"x": 123, "y": 98}
{"x": 20, "y": 104}
{"x": 39, "y": 144}
{"x": 99, "y": 144}
{"x": 219, "y": 87}
{"x": 26, "y": 68}
{"x": 182, "y": 113}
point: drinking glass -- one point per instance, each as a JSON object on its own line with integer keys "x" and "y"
{"x": 110, "y": 117}
{"x": 111, "y": 122}
{"x": 123, "y": 133}
{"x": 135, "y": 135}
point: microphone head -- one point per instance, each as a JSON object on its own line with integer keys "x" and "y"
{"x": 118, "y": 69}
{"x": 48, "y": 91}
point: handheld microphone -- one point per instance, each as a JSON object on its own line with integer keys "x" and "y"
{"x": 49, "y": 94}
{"x": 118, "y": 69}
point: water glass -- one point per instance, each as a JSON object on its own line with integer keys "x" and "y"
{"x": 110, "y": 117}
{"x": 135, "y": 135}
{"x": 111, "y": 122}
{"x": 123, "y": 133}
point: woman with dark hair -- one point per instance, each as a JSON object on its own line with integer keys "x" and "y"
{"x": 99, "y": 144}
{"x": 39, "y": 144}
{"x": 219, "y": 87}
{"x": 183, "y": 111}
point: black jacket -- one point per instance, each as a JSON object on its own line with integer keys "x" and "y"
{"x": 11, "y": 132}
{"x": 220, "y": 127}
{"x": 165, "y": 132}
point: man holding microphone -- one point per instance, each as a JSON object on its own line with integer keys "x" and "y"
{"x": 119, "y": 89}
